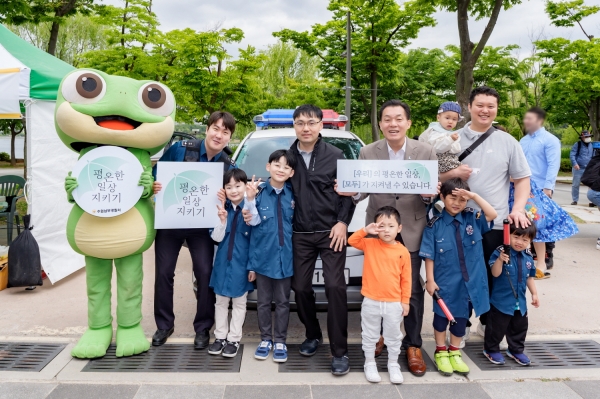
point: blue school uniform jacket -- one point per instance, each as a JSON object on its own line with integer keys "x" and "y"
{"x": 230, "y": 271}
{"x": 503, "y": 297}
{"x": 271, "y": 246}
{"x": 459, "y": 283}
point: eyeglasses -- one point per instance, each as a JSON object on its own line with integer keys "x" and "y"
{"x": 311, "y": 124}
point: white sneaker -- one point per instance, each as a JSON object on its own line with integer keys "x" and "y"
{"x": 371, "y": 372}
{"x": 395, "y": 374}
{"x": 503, "y": 344}
{"x": 481, "y": 329}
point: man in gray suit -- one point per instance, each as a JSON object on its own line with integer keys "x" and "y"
{"x": 394, "y": 121}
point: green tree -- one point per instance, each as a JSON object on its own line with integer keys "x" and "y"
{"x": 569, "y": 13}
{"x": 379, "y": 29}
{"x": 470, "y": 52}
{"x": 14, "y": 127}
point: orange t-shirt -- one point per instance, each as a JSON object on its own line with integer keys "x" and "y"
{"x": 386, "y": 271}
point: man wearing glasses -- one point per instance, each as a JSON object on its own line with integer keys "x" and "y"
{"x": 321, "y": 219}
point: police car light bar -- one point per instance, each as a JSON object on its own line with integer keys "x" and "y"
{"x": 278, "y": 118}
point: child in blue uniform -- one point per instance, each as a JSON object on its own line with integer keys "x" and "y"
{"x": 271, "y": 211}
{"x": 456, "y": 268}
{"x": 513, "y": 275}
{"x": 230, "y": 278}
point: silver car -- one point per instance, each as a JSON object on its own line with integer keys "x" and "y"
{"x": 252, "y": 156}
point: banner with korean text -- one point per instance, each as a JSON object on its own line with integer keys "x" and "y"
{"x": 188, "y": 198}
{"x": 391, "y": 177}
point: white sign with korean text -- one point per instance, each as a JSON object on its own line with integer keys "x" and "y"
{"x": 107, "y": 179}
{"x": 387, "y": 177}
{"x": 188, "y": 198}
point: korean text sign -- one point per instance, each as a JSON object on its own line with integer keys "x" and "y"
{"x": 188, "y": 198}
{"x": 107, "y": 179}
{"x": 391, "y": 177}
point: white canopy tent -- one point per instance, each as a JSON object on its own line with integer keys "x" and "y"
{"x": 31, "y": 77}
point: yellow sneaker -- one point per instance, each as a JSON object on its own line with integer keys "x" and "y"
{"x": 458, "y": 365}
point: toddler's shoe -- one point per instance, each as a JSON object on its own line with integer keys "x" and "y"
{"x": 520, "y": 358}
{"x": 395, "y": 374}
{"x": 463, "y": 340}
{"x": 263, "y": 350}
{"x": 280, "y": 353}
{"x": 371, "y": 372}
{"x": 494, "y": 357}
{"x": 217, "y": 347}
{"x": 442, "y": 362}
{"x": 458, "y": 365}
{"x": 439, "y": 206}
{"x": 503, "y": 344}
{"x": 231, "y": 349}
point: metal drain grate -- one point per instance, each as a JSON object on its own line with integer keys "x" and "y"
{"x": 321, "y": 361}
{"x": 169, "y": 358}
{"x": 23, "y": 356}
{"x": 544, "y": 355}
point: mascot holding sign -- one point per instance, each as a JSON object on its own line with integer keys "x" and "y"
{"x": 115, "y": 123}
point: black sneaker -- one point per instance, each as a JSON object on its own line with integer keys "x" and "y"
{"x": 231, "y": 349}
{"x": 549, "y": 261}
{"x": 574, "y": 203}
{"x": 340, "y": 365}
{"x": 217, "y": 347}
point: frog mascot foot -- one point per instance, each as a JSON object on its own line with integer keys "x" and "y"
{"x": 93, "y": 343}
{"x": 131, "y": 341}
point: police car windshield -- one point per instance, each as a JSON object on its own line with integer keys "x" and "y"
{"x": 254, "y": 155}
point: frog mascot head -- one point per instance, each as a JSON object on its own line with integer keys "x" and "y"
{"x": 95, "y": 109}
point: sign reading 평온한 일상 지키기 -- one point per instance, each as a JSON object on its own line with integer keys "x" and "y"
{"x": 188, "y": 198}
{"x": 107, "y": 179}
{"x": 387, "y": 177}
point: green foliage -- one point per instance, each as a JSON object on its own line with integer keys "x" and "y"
{"x": 478, "y": 9}
{"x": 569, "y": 13}
{"x": 565, "y": 165}
{"x": 565, "y": 152}
{"x": 4, "y": 157}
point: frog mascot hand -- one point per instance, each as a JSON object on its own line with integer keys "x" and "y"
{"x": 95, "y": 109}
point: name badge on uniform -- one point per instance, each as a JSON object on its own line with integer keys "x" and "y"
{"x": 293, "y": 204}
{"x": 528, "y": 264}
{"x": 469, "y": 229}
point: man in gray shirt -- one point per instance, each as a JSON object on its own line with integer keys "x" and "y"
{"x": 490, "y": 168}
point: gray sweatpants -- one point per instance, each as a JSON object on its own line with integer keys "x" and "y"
{"x": 273, "y": 290}
{"x": 371, "y": 314}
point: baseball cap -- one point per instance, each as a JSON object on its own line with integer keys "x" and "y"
{"x": 450, "y": 106}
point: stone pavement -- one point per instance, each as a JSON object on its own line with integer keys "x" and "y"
{"x": 505, "y": 390}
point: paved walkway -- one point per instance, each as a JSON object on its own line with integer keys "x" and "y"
{"x": 505, "y": 390}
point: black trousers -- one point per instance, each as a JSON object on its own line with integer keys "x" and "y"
{"x": 491, "y": 241}
{"x": 273, "y": 290}
{"x": 414, "y": 321}
{"x": 500, "y": 324}
{"x": 166, "y": 248}
{"x": 307, "y": 247}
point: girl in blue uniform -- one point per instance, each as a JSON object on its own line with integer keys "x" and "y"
{"x": 230, "y": 278}
{"x": 456, "y": 268}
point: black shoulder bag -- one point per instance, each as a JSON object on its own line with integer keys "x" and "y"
{"x": 476, "y": 144}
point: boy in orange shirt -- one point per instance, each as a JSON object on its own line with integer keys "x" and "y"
{"x": 386, "y": 286}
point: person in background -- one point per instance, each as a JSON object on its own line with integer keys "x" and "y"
{"x": 580, "y": 155}
{"x": 386, "y": 289}
{"x": 542, "y": 150}
{"x": 591, "y": 178}
{"x": 230, "y": 278}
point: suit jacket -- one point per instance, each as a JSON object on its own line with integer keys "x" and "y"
{"x": 411, "y": 207}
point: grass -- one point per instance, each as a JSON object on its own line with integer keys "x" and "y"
{"x": 4, "y": 164}
{"x": 576, "y": 219}
{"x": 565, "y": 174}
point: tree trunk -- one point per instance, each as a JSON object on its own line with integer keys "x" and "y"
{"x": 13, "y": 158}
{"x": 53, "y": 38}
{"x": 593, "y": 117}
{"x": 464, "y": 85}
{"x": 374, "y": 124}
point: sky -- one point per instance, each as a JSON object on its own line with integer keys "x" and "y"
{"x": 260, "y": 18}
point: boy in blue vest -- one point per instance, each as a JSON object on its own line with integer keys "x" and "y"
{"x": 456, "y": 268}
{"x": 230, "y": 278}
{"x": 513, "y": 275}
{"x": 271, "y": 211}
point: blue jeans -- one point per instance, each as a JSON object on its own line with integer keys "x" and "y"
{"x": 594, "y": 197}
{"x": 576, "y": 182}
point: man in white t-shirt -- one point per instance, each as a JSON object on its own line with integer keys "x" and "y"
{"x": 489, "y": 168}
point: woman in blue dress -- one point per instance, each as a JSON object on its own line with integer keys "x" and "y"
{"x": 552, "y": 222}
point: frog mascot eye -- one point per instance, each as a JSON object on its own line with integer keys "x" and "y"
{"x": 93, "y": 110}
{"x": 156, "y": 99}
{"x": 83, "y": 87}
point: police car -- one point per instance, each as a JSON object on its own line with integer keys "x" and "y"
{"x": 275, "y": 131}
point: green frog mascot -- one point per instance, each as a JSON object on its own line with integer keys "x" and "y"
{"x": 94, "y": 109}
